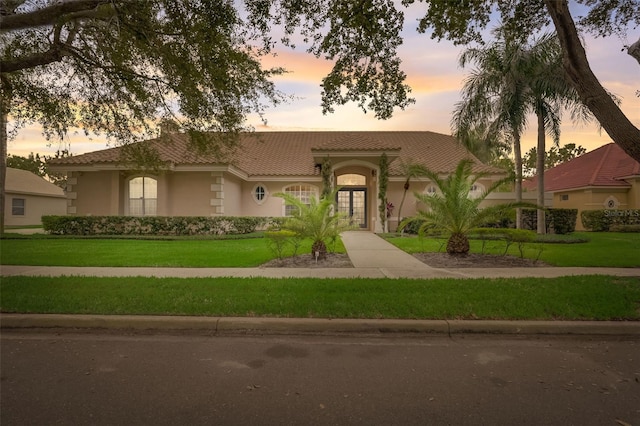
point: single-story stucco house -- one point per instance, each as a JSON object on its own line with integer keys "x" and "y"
{"x": 605, "y": 178}
{"x": 29, "y": 197}
{"x": 265, "y": 163}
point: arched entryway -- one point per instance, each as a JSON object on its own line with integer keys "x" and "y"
{"x": 352, "y": 197}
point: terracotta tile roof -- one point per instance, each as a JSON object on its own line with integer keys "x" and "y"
{"x": 605, "y": 166}
{"x": 291, "y": 153}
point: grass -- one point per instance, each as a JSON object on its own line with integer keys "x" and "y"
{"x": 193, "y": 252}
{"x": 565, "y": 298}
{"x": 606, "y": 249}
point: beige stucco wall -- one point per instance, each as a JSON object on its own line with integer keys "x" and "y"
{"x": 190, "y": 193}
{"x": 411, "y": 205}
{"x": 36, "y": 206}
{"x": 95, "y": 193}
{"x": 592, "y": 199}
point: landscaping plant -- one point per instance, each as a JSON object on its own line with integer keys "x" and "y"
{"x": 452, "y": 211}
{"x": 318, "y": 220}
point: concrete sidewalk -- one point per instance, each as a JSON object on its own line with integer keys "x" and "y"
{"x": 371, "y": 256}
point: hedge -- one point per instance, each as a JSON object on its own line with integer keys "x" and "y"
{"x": 155, "y": 225}
{"x": 557, "y": 221}
{"x": 604, "y": 220}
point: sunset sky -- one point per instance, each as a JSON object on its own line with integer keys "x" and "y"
{"x": 435, "y": 79}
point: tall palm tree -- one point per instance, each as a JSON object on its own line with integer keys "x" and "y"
{"x": 453, "y": 210}
{"x": 551, "y": 92}
{"x": 409, "y": 170}
{"x": 513, "y": 78}
{"x": 494, "y": 95}
{"x": 486, "y": 147}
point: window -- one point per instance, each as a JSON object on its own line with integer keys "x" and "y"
{"x": 18, "y": 206}
{"x": 476, "y": 190}
{"x": 259, "y": 193}
{"x": 564, "y": 197}
{"x": 143, "y": 196}
{"x": 611, "y": 202}
{"x": 302, "y": 193}
{"x": 352, "y": 179}
{"x": 431, "y": 190}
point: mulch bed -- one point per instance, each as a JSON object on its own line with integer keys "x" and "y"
{"x": 435, "y": 260}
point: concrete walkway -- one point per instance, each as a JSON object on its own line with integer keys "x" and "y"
{"x": 371, "y": 256}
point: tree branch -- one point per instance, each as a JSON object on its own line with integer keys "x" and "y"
{"x": 591, "y": 92}
{"x": 51, "y": 14}
{"x": 54, "y": 54}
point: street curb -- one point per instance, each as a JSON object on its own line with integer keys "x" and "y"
{"x": 298, "y": 326}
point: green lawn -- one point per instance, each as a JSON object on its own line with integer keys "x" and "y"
{"x": 566, "y": 298}
{"x": 140, "y": 252}
{"x": 602, "y": 249}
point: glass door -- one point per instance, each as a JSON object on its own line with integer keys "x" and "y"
{"x": 352, "y": 202}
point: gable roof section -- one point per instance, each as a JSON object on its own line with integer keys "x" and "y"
{"x": 291, "y": 153}
{"x": 605, "y": 166}
{"x": 24, "y": 182}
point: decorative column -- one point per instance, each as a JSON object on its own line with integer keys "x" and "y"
{"x": 217, "y": 193}
{"x": 72, "y": 181}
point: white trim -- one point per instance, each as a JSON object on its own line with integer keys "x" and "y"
{"x": 127, "y": 197}
{"x": 284, "y": 188}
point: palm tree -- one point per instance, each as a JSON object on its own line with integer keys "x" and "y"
{"x": 453, "y": 211}
{"x": 409, "y": 170}
{"x": 317, "y": 220}
{"x": 494, "y": 95}
{"x": 551, "y": 92}
{"x": 489, "y": 149}
{"x": 514, "y": 78}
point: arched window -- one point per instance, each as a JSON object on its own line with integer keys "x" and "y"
{"x": 302, "y": 192}
{"x": 352, "y": 179}
{"x": 143, "y": 196}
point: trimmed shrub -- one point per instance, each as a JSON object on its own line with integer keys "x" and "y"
{"x": 624, "y": 228}
{"x": 154, "y": 225}
{"x": 595, "y": 220}
{"x": 603, "y": 220}
{"x": 557, "y": 221}
{"x": 563, "y": 221}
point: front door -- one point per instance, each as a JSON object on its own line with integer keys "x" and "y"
{"x": 352, "y": 202}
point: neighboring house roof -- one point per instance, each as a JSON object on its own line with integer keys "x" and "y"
{"x": 292, "y": 153}
{"x": 608, "y": 165}
{"x": 24, "y": 182}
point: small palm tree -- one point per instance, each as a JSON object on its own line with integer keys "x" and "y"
{"x": 453, "y": 211}
{"x": 317, "y": 220}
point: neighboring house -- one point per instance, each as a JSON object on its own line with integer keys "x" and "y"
{"x": 29, "y": 197}
{"x": 605, "y": 178}
{"x": 265, "y": 163}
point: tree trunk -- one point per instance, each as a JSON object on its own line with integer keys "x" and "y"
{"x": 458, "y": 244}
{"x": 404, "y": 195}
{"x": 319, "y": 250}
{"x": 4, "y": 113}
{"x": 517, "y": 153}
{"x": 540, "y": 154}
{"x": 591, "y": 92}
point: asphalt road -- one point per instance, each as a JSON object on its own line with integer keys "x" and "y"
{"x": 116, "y": 379}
